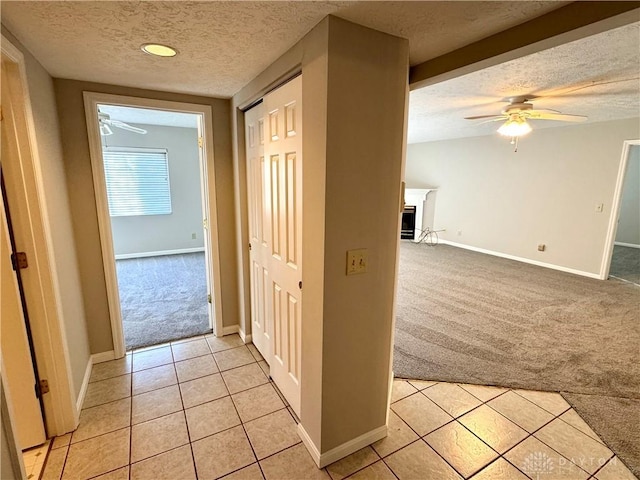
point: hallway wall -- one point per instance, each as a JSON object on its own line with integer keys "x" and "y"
{"x": 77, "y": 160}
{"x": 56, "y": 205}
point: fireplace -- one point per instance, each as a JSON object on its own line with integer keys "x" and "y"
{"x": 408, "y": 231}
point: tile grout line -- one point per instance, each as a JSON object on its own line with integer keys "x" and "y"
{"x": 378, "y": 455}
{"x": 421, "y": 438}
{"x": 455, "y": 419}
{"x": 184, "y": 414}
{"x": 532, "y": 435}
{"x": 242, "y": 423}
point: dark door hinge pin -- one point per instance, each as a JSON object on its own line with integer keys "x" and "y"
{"x": 42, "y": 387}
{"x": 19, "y": 260}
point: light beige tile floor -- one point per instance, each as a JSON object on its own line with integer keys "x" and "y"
{"x": 34, "y": 460}
{"x": 205, "y": 409}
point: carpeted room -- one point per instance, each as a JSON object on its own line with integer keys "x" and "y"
{"x": 153, "y": 188}
{"x": 540, "y": 318}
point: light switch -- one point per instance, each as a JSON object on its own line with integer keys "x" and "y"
{"x": 599, "y": 207}
{"x": 357, "y": 261}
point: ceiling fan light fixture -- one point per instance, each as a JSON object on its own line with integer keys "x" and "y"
{"x": 515, "y": 127}
{"x": 158, "y": 50}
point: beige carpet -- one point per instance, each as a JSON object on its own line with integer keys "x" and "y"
{"x": 468, "y": 317}
{"x": 162, "y": 298}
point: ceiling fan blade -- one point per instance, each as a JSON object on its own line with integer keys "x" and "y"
{"x": 497, "y": 119}
{"x": 478, "y": 117}
{"x": 561, "y": 117}
{"x": 126, "y": 126}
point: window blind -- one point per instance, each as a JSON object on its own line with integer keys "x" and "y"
{"x": 137, "y": 181}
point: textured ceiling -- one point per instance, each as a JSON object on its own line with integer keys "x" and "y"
{"x": 581, "y": 77}
{"x": 150, "y": 117}
{"x": 224, "y": 45}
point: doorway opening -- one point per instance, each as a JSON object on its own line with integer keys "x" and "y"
{"x": 154, "y": 193}
{"x": 625, "y": 254}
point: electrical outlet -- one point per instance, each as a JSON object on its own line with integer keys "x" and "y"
{"x": 542, "y": 247}
{"x": 357, "y": 261}
{"x": 459, "y": 233}
{"x": 193, "y": 236}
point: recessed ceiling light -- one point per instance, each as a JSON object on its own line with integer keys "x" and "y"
{"x": 159, "y": 50}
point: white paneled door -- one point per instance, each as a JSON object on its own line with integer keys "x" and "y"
{"x": 274, "y": 179}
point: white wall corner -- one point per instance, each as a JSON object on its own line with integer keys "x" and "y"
{"x": 246, "y": 337}
{"x": 83, "y": 389}
{"x": 311, "y": 447}
{"x": 103, "y": 357}
{"x": 230, "y": 330}
{"x": 341, "y": 451}
{"x": 390, "y": 393}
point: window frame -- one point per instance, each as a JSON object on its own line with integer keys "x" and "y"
{"x": 134, "y": 150}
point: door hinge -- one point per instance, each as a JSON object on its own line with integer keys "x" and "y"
{"x": 249, "y": 245}
{"x": 300, "y": 284}
{"x": 200, "y": 142}
{"x": 19, "y": 260}
{"x": 205, "y": 224}
{"x": 42, "y": 387}
{"x": 209, "y": 298}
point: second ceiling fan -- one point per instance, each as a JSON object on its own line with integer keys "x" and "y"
{"x": 517, "y": 114}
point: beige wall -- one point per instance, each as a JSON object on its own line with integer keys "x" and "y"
{"x": 629, "y": 219}
{"x": 56, "y": 206}
{"x": 545, "y": 193}
{"x": 367, "y": 78}
{"x": 354, "y": 85}
{"x": 83, "y": 206}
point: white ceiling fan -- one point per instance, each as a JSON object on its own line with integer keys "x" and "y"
{"x": 517, "y": 114}
{"x": 106, "y": 122}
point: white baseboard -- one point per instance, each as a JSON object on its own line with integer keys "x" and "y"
{"x": 246, "y": 337}
{"x": 103, "y": 357}
{"x": 389, "y": 395}
{"x": 124, "y": 256}
{"x": 306, "y": 439}
{"x": 622, "y": 244}
{"x": 341, "y": 451}
{"x": 522, "y": 259}
{"x": 83, "y": 389}
{"x": 230, "y": 330}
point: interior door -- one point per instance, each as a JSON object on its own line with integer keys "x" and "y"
{"x": 14, "y": 340}
{"x": 204, "y": 196}
{"x": 259, "y": 237}
{"x": 274, "y": 155}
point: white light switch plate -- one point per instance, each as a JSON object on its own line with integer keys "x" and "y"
{"x": 357, "y": 261}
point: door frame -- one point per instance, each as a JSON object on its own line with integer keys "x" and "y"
{"x": 43, "y": 291}
{"x": 212, "y": 244}
{"x": 238, "y": 110}
{"x": 615, "y": 209}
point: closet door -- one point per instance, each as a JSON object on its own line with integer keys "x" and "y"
{"x": 274, "y": 177}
